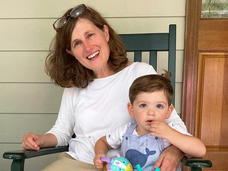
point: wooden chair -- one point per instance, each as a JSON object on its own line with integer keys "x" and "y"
{"x": 137, "y": 43}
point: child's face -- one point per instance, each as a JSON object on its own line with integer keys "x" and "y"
{"x": 149, "y": 107}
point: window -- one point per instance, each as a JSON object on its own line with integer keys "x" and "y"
{"x": 214, "y": 9}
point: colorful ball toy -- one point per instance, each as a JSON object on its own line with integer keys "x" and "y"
{"x": 117, "y": 164}
{"x": 120, "y": 164}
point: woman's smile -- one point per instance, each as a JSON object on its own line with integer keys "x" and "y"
{"x": 94, "y": 55}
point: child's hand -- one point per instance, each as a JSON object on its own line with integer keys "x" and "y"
{"x": 160, "y": 129}
{"x": 97, "y": 161}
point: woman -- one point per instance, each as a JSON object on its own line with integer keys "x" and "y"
{"x": 89, "y": 60}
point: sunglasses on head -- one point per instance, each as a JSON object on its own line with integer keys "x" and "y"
{"x": 74, "y": 13}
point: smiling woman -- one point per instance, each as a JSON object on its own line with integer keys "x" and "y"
{"x": 89, "y": 60}
{"x": 80, "y": 43}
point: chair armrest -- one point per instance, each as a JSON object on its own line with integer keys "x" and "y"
{"x": 20, "y": 154}
{"x": 196, "y": 162}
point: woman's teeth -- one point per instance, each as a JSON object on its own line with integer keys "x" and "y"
{"x": 93, "y": 55}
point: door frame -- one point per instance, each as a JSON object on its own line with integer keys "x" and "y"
{"x": 193, "y": 13}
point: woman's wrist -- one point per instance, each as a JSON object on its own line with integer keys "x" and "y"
{"x": 47, "y": 140}
{"x": 178, "y": 152}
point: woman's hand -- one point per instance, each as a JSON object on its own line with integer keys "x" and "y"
{"x": 169, "y": 159}
{"x": 31, "y": 141}
{"x": 97, "y": 161}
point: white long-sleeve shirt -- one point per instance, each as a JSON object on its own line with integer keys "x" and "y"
{"x": 100, "y": 107}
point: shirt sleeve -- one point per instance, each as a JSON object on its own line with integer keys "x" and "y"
{"x": 63, "y": 128}
{"x": 143, "y": 69}
{"x": 175, "y": 122}
{"x": 115, "y": 137}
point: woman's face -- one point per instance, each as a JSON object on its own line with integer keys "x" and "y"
{"x": 89, "y": 45}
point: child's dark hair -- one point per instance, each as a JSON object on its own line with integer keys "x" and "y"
{"x": 151, "y": 83}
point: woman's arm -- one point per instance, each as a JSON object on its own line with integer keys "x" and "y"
{"x": 169, "y": 159}
{"x": 35, "y": 142}
{"x": 63, "y": 128}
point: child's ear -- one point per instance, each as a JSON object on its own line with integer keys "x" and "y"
{"x": 170, "y": 110}
{"x": 130, "y": 109}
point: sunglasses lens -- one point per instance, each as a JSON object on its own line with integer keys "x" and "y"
{"x": 75, "y": 12}
{"x": 60, "y": 23}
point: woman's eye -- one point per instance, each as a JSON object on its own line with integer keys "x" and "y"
{"x": 76, "y": 43}
{"x": 90, "y": 35}
{"x": 160, "y": 106}
{"x": 142, "y": 105}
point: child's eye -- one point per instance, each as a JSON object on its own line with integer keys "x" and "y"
{"x": 142, "y": 105}
{"x": 160, "y": 106}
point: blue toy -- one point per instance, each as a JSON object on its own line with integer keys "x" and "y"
{"x": 117, "y": 164}
{"x": 140, "y": 169}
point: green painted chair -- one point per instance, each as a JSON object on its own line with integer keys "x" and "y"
{"x": 137, "y": 43}
{"x": 153, "y": 43}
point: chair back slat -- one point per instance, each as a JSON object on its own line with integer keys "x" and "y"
{"x": 153, "y": 43}
{"x": 153, "y": 59}
{"x": 172, "y": 54}
{"x": 137, "y": 56}
{"x": 146, "y": 42}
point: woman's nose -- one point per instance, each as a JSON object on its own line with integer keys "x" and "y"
{"x": 87, "y": 45}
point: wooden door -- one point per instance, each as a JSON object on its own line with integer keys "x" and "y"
{"x": 205, "y": 88}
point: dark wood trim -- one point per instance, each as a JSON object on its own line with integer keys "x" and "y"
{"x": 193, "y": 10}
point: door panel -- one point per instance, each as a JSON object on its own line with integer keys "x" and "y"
{"x": 213, "y": 89}
{"x": 212, "y": 107}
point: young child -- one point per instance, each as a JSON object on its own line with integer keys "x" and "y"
{"x": 142, "y": 142}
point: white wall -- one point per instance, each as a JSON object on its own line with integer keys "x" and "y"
{"x": 28, "y": 100}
